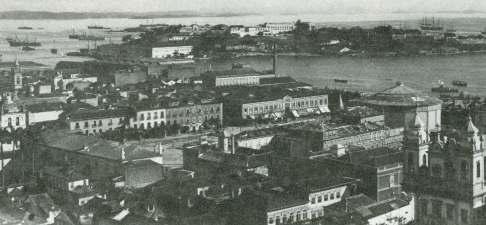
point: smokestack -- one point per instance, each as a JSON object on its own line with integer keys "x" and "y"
{"x": 274, "y": 68}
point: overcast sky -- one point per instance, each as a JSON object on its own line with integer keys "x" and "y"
{"x": 259, "y": 6}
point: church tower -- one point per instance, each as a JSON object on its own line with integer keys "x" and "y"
{"x": 17, "y": 75}
{"x": 416, "y": 146}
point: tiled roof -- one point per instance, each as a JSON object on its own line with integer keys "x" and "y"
{"x": 83, "y": 114}
{"x": 45, "y": 107}
{"x": 94, "y": 146}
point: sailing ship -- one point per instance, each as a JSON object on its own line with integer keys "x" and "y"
{"x": 433, "y": 25}
{"x": 16, "y": 42}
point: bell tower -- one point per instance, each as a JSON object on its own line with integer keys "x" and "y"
{"x": 417, "y": 146}
{"x": 17, "y": 75}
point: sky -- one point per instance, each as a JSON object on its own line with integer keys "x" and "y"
{"x": 257, "y": 6}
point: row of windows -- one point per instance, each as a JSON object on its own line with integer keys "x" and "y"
{"x": 17, "y": 121}
{"x": 142, "y": 116}
{"x": 156, "y": 124}
{"x": 298, "y": 216}
{"x": 325, "y": 197}
{"x": 190, "y": 112}
{"x": 95, "y": 123}
{"x": 293, "y": 105}
{"x": 437, "y": 206}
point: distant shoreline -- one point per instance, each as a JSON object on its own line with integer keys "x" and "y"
{"x": 42, "y": 15}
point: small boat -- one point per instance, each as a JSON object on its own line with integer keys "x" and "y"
{"x": 25, "y": 28}
{"x": 459, "y": 83}
{"x": 340, "y": 81}
{"x": 444, "y": 89}
{"x": 95, "y": 27}
{"x": 27, "y": 48}
{"x": 15, "y": 42}
{"x": 54, "y": 50}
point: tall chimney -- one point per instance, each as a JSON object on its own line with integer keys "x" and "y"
{"x": 274, "y": 68}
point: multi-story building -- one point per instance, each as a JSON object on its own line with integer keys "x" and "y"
{"x": 276, "y": 28}
{"x": 307, "y": 200}
{"x": 184, "y": 113}
{"x": 450, "y": 179}
{"x": 237, "y": 76}
{"x": 96, "y": 121}
{"x": 317, "y": 139}
{"x": 12, "y": 116}
{"x": 276, "y": 102}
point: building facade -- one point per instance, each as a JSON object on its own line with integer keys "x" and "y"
{"x": 277, "y": 107}
{"x": 92, "y": 122}
{"x": 169, "y": 51}
{"x": 189, "y": 115}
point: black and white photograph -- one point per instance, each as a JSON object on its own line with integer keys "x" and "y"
{"x": 242, "y": 112}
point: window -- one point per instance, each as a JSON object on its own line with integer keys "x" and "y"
{"x": 478, "y": 169}
{"x": 298, "y": 216}
{"x": 277, "y": 220}
{"x": 332, "y": 196}
{"x": 101, "y": 131}
{"x": 156, "y": 115}
{"x": 142, "y": 116}
{"x": 100, "y": 122}
{"x": 338, "y": 194}
{"x": 437, "y": 170}
{"x": 464, "y": 215}
{"x": 450, "y": 211}
{"x": 437, "y": 208}
{"x": 9, "y": 121}
{"x": 86, "y": 124}
{"x": 149, "y": 116}
{"x": 135, "y": 126}
{"x": 77, "y": 125}
{"x": 313, "y": 200}
{"x": 149, "y": 125}
{"x": 326, "y": 197}
{"x": 304, "y": 215}
{"x": 110, "y": 122}
{"x": 86, "y": 132}
{"x": 319, "y": 199}
{"x": 270, "y": 220}
{"x": 291, "y": 217}
{"x": 17, "y": 121}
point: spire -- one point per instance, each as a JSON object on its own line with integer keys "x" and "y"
{"x": 471, "y": 128}
{"x": 341, "y": 104}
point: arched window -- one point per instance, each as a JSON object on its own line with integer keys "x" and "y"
{"x": 478, "y": 169}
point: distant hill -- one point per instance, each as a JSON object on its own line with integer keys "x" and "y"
{"x": 30, "y": 15}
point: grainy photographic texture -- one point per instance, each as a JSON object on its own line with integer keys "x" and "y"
{"x": 230, "y": 112}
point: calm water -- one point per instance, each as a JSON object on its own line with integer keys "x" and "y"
{"x": 371, "y": 74}
{"x": 366, "y": 74}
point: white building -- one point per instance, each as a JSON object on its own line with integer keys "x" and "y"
{"x": 96, "y": 121}
{"x": 43, "y": 112}
{"x": 13, "y": 117}
{"x": 170, "y": 51}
